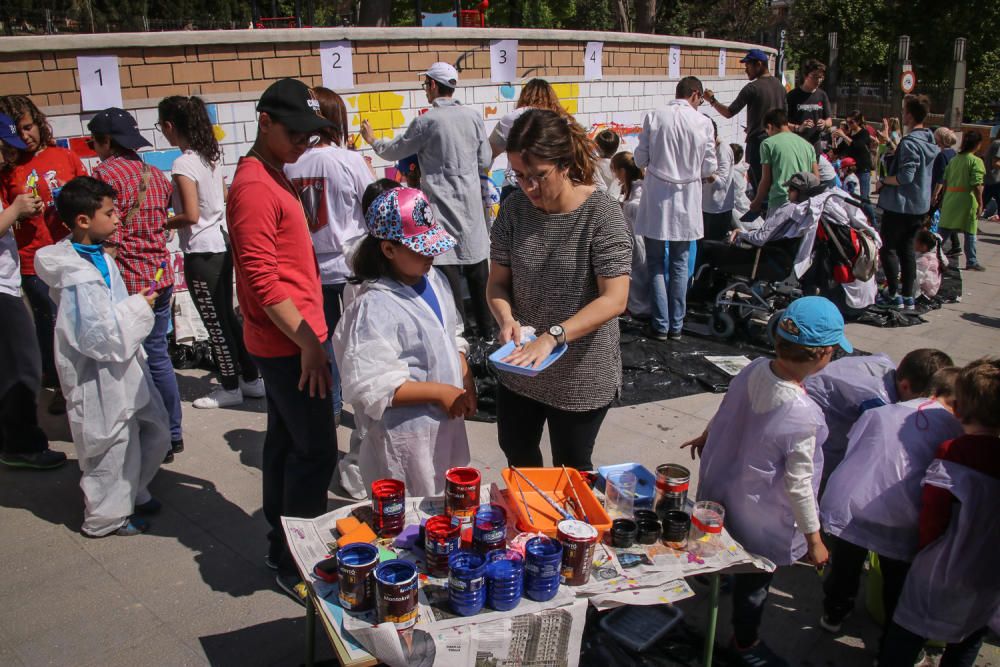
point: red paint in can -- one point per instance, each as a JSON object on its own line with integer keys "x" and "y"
{"x": 578, "y": 541}
{"x": 461, "y": 493}
{"x": 388, "y": 507}
{"x": 442, "y": 537}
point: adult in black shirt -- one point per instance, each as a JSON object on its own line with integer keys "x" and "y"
{"x": 809, "y": 106}
{"x": 763, "y": 93}
{"x": 857, "y": 144}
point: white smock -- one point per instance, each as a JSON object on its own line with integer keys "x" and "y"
{"x": 762, "y": 453}
{"x": 677, "y": 150}
{"x": 639, "y": 303}
{"x": 387, "y": 336}
{"x": 952, "y": 588}
{"x": 120, "y": 427}
{"x": 719, "y": 196}
{"x": 873, "y": 498}
{"x": 843, "y": 390}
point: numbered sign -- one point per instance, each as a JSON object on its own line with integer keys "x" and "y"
{"x": 675, "y": 62}
{"x": 338, "y": 67}
{"x": 722, "y": 63}
{"x": 503, "y": 60}
{"x": 592, "y": 58}
{"x": 100, "y": 86}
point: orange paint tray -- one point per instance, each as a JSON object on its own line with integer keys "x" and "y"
{"x": 556, "y": 484}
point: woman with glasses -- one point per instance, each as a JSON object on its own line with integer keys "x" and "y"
{"x": 561, "y": 256}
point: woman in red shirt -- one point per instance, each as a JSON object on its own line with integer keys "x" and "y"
{"x": 41, "y": 168}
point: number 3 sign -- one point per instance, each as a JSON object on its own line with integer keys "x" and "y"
{"x": 337, "y": 64}
{"x": 100, "y": 86}
{"x": 503, "y": 60}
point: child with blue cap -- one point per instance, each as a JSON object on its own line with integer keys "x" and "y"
{"x": 761, "y": 458}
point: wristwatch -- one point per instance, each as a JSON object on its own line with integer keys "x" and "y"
{"x": 557, "y": 332}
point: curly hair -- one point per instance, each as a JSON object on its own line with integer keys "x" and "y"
{"x": 545, "y": 136}
{"x": 16, "y": 106}
{"x": 539, "y": 94}
{"x": 190, "y": 117}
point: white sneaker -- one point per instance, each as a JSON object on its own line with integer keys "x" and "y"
{"x": 350, "y": 479}
{"x": 253, "y": 389}
{"x": 219, "y": 398}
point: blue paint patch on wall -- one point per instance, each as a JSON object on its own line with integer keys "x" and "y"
{"x": 213, "y": 113}
{"x": 162, "y": 160}
{"x": 507, "y": 92}
{"x": 497, "y": 176}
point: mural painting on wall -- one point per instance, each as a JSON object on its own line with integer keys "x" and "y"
{"x": 383, "y": 110}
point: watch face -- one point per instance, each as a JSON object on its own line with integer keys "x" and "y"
{"x": 556, "y": 330}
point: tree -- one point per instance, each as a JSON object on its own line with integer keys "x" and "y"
{"x": 376, "y": 13}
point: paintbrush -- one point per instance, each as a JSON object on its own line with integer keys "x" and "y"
{"x": 525, "y": 501}
{"x": 563, "y": 513}
{"x": 576, "y": 498}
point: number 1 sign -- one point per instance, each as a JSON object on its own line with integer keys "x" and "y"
{"x": 100, "y": 86}
{"x": 338, "y": 67}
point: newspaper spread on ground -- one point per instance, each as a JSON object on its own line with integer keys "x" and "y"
{"x": 729, "y": 365}
{"x": 536, "y": 633}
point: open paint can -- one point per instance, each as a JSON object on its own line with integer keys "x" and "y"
{"x": 578, "y": 541}
{"x": 396, "y": 593}
{"x": 461, "y": 493}
{"x": 356, "y": 563}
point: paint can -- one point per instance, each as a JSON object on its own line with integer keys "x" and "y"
{"x": 578, "y": 541}
{"x": 461, "y": 493}
{"x": 396, "y": 593}
{"x": 356, "y": 563}
{"x": 388, "y": 507}
{"x": 442, "y": 537}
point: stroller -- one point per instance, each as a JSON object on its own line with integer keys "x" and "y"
{"x": 805, "y": 248}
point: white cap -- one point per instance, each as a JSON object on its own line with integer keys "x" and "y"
{"x": 444, "y": 74}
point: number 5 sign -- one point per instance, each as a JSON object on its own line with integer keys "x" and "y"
{"x": 503, "y": 60}
{"x": 100, "y": 86}
{"x": 674, "y": 71}
{"x": 338, "y": 67}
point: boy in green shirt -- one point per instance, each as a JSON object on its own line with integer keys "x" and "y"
{"x": 782, "y": 154}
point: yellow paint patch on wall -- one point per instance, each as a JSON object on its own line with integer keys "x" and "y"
{"x": 382, "y": 110}
{"x": 568, "y": 94}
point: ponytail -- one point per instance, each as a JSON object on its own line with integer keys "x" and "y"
{"x": 633, "y": 173}
{"x": 545, "y": 136}
{"x": 190, "y": 117}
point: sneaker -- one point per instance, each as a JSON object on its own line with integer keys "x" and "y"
{"x": 655, "y": 334}
{"x": 46, "y": 459}
{"x": 909, "y": 303}
{"x": 350, "y": 479}
{"x": 219, "y": 398}
{"x": 758, "y": 655}
{"x": 57, "y": 406}
{"x": 270, "y": 563}
{"x": 151, "y": 506}
{"x": 134, "y": 526}
{"x": 176, "y": 446}
{"x": 293, "y": 586}
{"x": 674, "y": 335}
{"x": 169, "y": 458}
{"x": 886, "y": 299}
{"x": 253, "y": 389}
{"x": 831, "y": 624}
{"x": 975, "y": 267}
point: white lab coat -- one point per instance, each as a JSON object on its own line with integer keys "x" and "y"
{"x": 638, "y": 289}
{"x": 387, "y": 336}
{"x": 872, "y": 499}
{"x": 119, "y": 425}
{"x": 843, "y": 390}
{"x": 719, "y": 196}
{"x": 952, "y": 588}
{"x": 677, "y": 150}
{"x": 743, "y": 464}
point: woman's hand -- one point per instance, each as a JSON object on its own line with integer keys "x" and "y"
{"x": 533, "y": 353}
{"x": 510, "y": 330}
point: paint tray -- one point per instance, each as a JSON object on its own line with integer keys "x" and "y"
{"x": 645, "y": 482}
{"x": 556, "y": 483}
{"x": 638, "y": 627}
{"x": 508, "y": 349}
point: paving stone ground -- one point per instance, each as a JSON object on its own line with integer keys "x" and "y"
{"x": 194, "y": 591}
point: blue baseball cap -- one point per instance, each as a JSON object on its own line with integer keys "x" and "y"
{"x": 8, "y": 132}
{"x": 754, "y": 54}
{"x": 813, "y": 321}
{"x": 408, "y": 164}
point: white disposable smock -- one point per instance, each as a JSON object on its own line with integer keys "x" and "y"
{"x": 677, "y": 150}
{"x": 752, "y": 462}
{"x": 119, "y": 425}
{"x": 389, "y": 335}
{"x": 843, "y": 390}
{"x": 873, "y": 498}
{"x": 952, "y": 588}
{"x": 638, "y": 289}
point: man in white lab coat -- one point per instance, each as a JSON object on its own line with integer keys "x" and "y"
{"x": 677, "y": 150}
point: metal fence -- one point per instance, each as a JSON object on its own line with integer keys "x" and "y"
{"x": 874, "y": 98}
{"x": 47, "y": 22}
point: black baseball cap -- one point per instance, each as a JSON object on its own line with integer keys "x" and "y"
{"x": 293, "y": 104}
{"x": 120, "y": 126}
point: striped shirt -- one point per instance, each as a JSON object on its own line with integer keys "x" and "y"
{"x": 555, "y": 260}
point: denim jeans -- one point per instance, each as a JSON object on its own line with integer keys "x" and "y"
{"x": 950, "y": 237}
{"x": 901, "y": 647}
{"x": 332, "y": 310}
{"x": 669, "y": 291}
{"x": 160, "y": 366}
{"x": 866, "y": 195}
{"x": 44, "y": 311}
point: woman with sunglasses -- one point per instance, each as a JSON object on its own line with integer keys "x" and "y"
{"x": 561, "y": 254}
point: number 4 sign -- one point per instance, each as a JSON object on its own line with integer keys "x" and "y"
{"x": 337, "y": 64}
{"x": 100, "y": 86}
{"x": 503, "y": 60}
{"x": 592, "y": 57}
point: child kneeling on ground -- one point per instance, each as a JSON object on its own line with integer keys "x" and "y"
{"x": 761, "y": 457}
{"x": 400, "y": 351}
{"x": 120, "y": 428}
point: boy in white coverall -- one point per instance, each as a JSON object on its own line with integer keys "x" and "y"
{"x": 119, "y": 425}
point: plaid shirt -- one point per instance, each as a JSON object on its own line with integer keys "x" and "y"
{"x": 142, "y": 243}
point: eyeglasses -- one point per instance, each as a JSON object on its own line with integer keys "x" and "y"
{"x": 158, "y": 127}
{"x": 304, "y": 138}
{"x": 530, "y": 182}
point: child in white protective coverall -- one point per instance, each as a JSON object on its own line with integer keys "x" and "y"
{"x": 400, "y": 351}
{"x": 761, "y": 456}
{"x": 120, "y": 427}
{"x": 872, "y": 500}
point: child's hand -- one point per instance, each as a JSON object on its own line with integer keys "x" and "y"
{"x": 817, "y": 553}
{"x": 696, "y": 444}
{"x": 150, "y": 294}
{"x": 27, "y": 205}
{"x": 452, "y": 400}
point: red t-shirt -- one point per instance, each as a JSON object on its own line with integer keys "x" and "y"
{"x": 49, "y": 170}
{"x": 274, "y": 258}
{"x": 979, "y": 452}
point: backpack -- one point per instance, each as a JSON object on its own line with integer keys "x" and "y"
{"x": 854, "y": 254}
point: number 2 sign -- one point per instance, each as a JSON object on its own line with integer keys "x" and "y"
{"x": 503, "y": 60}
{"x": 337, "y": 64}
{"x": 100, "y": 86}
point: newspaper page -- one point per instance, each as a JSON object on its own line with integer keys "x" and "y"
{"x": 536, "y": 633}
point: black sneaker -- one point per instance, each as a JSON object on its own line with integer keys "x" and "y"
{"x": 169, "y": 458}
{"x": 176, "y": 446}
{"x": 674, "y": 335}
{"x": 758, "y": 655}
{"x": 655, "y": 334}
{"x": 975, "y": 267}
{"x": 57, "y": 406}
{"x": 293, "y": 586}
{"x": 46, "y": 459}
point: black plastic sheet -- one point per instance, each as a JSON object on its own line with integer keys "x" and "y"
{"x": 888, "y": 316}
